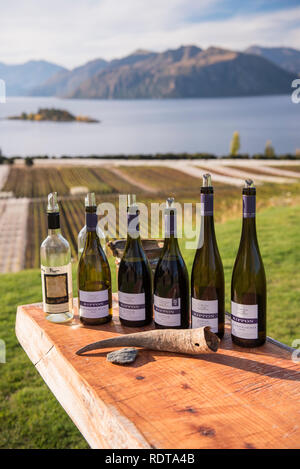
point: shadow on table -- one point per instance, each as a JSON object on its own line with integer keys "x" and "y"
{"x": 245, "y": 364}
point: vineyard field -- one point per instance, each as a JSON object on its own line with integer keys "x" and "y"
{"x": 295, "y": 168}
{"x": 163, "y": 179}
{"x": 71, "y": 220}
{"x": 38, "y": 182}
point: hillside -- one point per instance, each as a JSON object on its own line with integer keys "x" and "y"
{"x": 21, "y": 78}
{"x": 285, "y": 57}
{"x": 66, "y": 81}
{"x": 187, "y": 72}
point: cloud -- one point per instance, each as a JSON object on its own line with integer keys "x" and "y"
{"x": 70, "y": 32}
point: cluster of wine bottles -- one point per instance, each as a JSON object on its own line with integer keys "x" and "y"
{"x": 168, "y": 294}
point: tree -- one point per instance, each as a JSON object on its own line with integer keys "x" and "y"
{"x": 29, "y": 161}
{"x": 269, "y": 150}
{"x": 235, "y": 144}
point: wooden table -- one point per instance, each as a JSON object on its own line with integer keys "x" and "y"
{"x": 236, "y": 398}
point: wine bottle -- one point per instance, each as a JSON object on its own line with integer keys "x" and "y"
{"x": 207, "y": 282}
{"x": 171, "y": 281}
{"x": 248, "y": 285}
{"x": 82, "y": 236}
{"x": 56, "y": 268}
{"x": 134, "y": 276}
{"x": 94, "y": 277}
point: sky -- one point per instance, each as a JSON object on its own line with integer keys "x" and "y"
{"x": 71, "y": 32}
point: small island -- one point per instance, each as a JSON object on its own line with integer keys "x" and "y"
{"x": 54, "y": 115}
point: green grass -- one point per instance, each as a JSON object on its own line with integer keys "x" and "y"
{"x": 30, "y": 416}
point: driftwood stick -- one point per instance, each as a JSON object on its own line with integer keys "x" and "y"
{"x": 188, "y": 341}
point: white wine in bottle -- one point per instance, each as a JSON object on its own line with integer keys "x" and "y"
{"x": 56, "y": 268}
{"x": 208, "y": 308}
{"x": 94, "y": 277}
{"x": 248, "y": 285}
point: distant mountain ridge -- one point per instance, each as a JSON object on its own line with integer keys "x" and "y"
{"x": 285, "y": 57}
{"x": 65, "y": 82}
{"x": 185, "y": 72}
{"x": 21, "y": 78}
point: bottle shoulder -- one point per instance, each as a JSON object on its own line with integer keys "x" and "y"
{"x": 56, "y": 241}
{"x": 249, "y": 257}
{"x": 134, "y": 252}
{"x": 205, "y": 255}
{"x": 172, "y": 262}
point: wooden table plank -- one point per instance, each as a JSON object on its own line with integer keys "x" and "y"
{"x": 237, "y": 398}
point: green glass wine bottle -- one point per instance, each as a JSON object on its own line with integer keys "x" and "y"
{"x": 207, "y": 282}
{"x": 94, "y": 277}
{"x": 248, "y": 285}
{"x": 171, "y": 281}
{"x": 134, "y": 276}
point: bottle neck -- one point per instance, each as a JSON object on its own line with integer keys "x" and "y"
{"x": 171, "y": 244}
{"x": 171, "y": 240}
{"x": 249, "y": 219}
{"x": 133, "y": 227}
{"x": 53, "y": 224}
{"x": 91, "y": 219}
{"x": 207, "y": 234}
{"x": 207, "y": 229}
{"x": 52, "y": 232}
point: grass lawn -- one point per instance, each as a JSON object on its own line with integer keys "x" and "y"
{"x": 30, "y": 416}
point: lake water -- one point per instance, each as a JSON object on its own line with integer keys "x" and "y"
{"x": 153, "y": 126}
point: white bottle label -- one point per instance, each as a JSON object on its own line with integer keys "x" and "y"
{"x": 132, "y": 306}
{"x": 93, "y": 304}
{"x": 244, "y": 321}
{"x": 205, "y": 313}
{"x": 167, "y": 311}
{"x": 57, "y": 288}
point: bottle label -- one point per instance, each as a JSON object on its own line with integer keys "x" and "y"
{"x": 205, "y": 313}
{"x": 91, "y": 221}
{"x": 170, "y": 225}
{"x": 167, "y": 311}
{"x": 244, "y": 321}
{"x": 249, "y": 206}
{"x": 132, "y": 306}
{"x": 207, "y": 204}
{"x": 93, "y": 304}
{"x": 57, "y": 288}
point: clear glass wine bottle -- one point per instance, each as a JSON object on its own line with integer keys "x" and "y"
{"x": 56, "y": 268}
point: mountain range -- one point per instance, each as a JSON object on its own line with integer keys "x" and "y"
{"x": 285, "y": 57}
{"x": 21, "y": 79}
{"x": 186, "y": 72}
